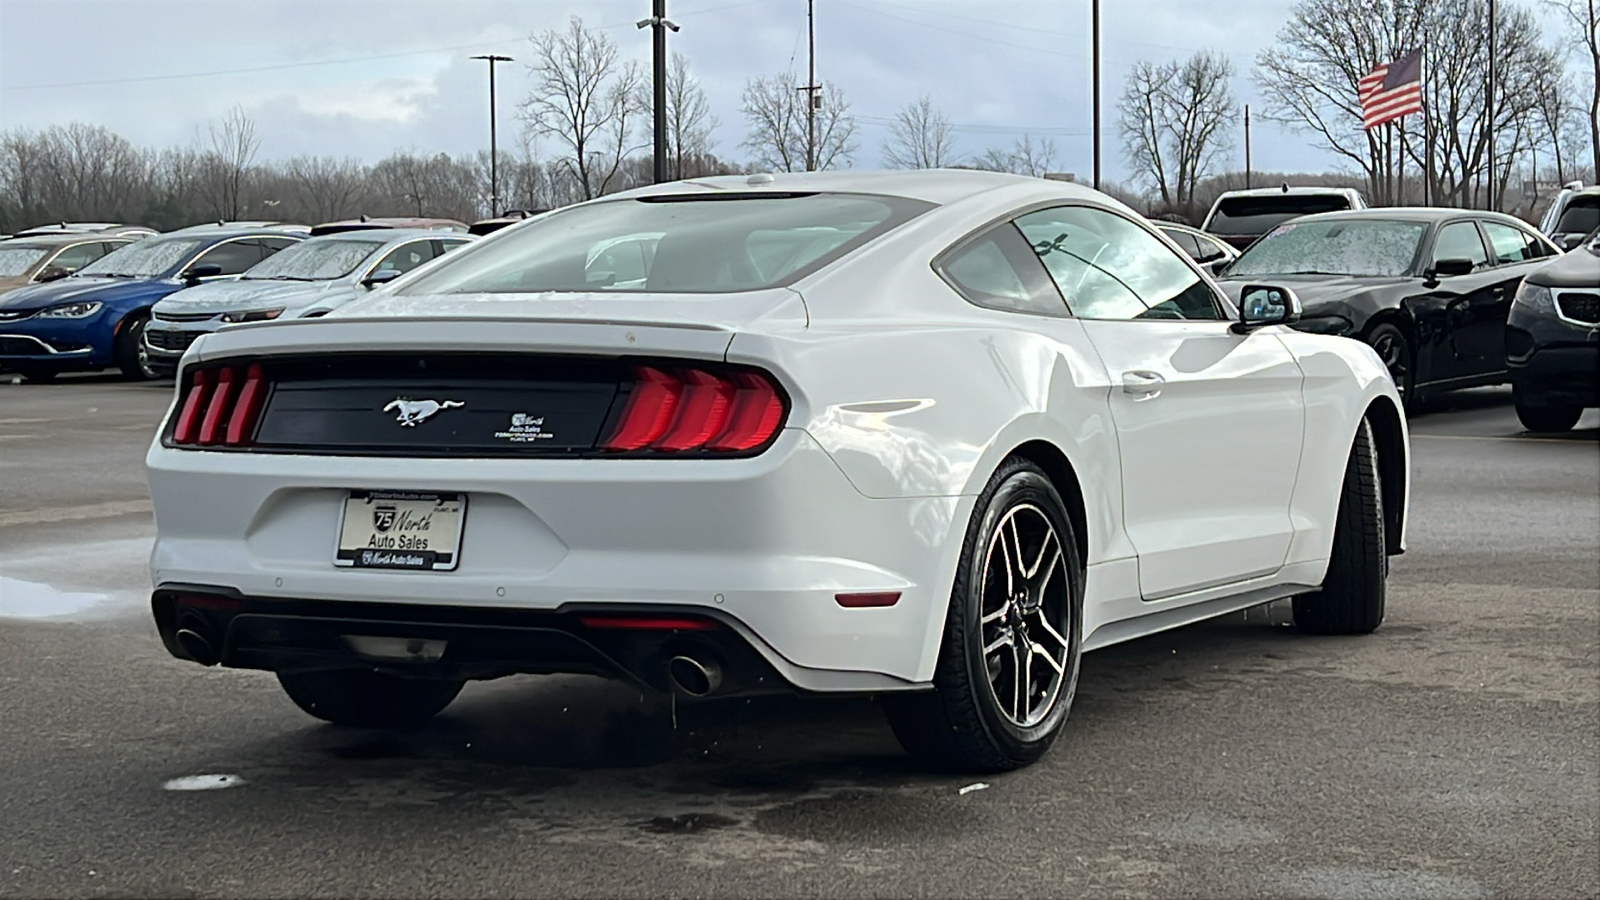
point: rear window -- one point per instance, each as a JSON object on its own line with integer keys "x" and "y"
{"x": 678, "y": 244}
{"x": 1581, "y": 216}
{"x": 1258, "y": 215}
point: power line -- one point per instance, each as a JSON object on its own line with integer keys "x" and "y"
{"x": 279, "y": 67}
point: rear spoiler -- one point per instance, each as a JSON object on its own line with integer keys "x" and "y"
{"x": 467, "y": 334}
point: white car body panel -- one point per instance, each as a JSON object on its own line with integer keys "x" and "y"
{"x": 904, "y": 399}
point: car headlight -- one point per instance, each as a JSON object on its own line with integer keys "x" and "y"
{"x": 72, "y": 310}
{"x": 254, "y": 315}
{"x": 1535, "y": 298}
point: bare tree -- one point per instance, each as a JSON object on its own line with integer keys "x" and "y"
{"x": 1584, "y": 18}
{"x": 1025, "y": 157}
{"x": 1140, "y": 116}
{"x": 776, "y": 116}
{"x": 1310, "y": 77}
{"x": 585, "y": 101}
{"x": 325, "y": 188}
{"x": 919, "y": 138}
{"x": 689, "y": 119}
{"x": 230, "y": 150}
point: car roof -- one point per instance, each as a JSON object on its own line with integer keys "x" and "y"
{"x": 371, "y": 223}
{"x": 938, "y": 186}
{"x": 1410, "y": 214}
{"x": 1289, "y": 191}
{"x": 84, "y": 228}
{"x": 58, "y": 238}
{"x": 225, "y": 233}
{"x": 390, "y": 235}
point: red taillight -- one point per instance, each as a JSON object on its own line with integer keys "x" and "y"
{"x": 691, "y": 409}
{"x": 648, "y": 623}
{"x": 221, "y": 406}
{"x": 187, "y": 431}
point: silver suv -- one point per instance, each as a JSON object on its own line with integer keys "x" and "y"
{"x": 1574, "y": 213}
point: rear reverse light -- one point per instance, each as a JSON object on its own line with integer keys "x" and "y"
{"x": 220, "y": 406}
{"x": 697, "y": 410}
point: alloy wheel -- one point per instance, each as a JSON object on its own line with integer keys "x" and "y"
{"x": 1396, "y": 356}
{"x": 1024, "y": 614}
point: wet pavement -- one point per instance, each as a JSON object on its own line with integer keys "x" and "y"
{"x": 1455, "y": 753}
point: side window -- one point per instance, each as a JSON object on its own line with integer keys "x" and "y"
{"x": 234, "y": 256}
{"x": 406, "y": 257}
{"x": 1459, "y": 240}
{"x": 76, "y": 257}
{"x": 617, "y": 264}
{"x": 109, "y": 246}
{"x": 998, "y": 270}
{"x": 1512, "y": 244}
{"x": 1110, "y": 268}
{"x": 1210, "y": 250}
{"x": 1186, "y": 241}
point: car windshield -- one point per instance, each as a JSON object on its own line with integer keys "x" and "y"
{"x": 676, "y": 244}
{"x": 1581, "y": 216}
{"x": 16, "y": 260}
{"x": 144, "y": 259}
{"x": 315, "y": 260}
{"x": 1370, "y": 247}
{"x": 1257, "y": 215}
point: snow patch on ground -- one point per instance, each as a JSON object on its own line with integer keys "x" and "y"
{"x": 98, "y": 579}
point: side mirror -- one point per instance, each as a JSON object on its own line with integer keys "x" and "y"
{"x": 1261, "y": 305}
{"x": 1447, "y": 268}
{"x": 51, "y": 273}
{"x": 195, "y": 274}
{"x": 382, "y": 276}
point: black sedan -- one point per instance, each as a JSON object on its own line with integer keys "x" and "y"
{"x": 1429, "y": 289}
{"x": 1553, "y": 340}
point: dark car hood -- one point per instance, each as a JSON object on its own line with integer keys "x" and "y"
{"x": 83, "y": 289}
{"x": 1319, "y": 294}
{"x": 1578, "y": 268}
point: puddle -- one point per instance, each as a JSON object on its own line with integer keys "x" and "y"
{"x": 90, "y": 580}
{"x": 27, "y": 600}
{"x": 203, "y": 783}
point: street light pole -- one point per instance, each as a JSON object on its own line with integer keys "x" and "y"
{"x": 658, "y": 24}
{"x": 1489, "y": 108}
{"x": 1095, "y": 52}
{"x": 494, "y": 141}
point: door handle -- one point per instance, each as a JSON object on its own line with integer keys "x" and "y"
{"x": 1142, "y": 384}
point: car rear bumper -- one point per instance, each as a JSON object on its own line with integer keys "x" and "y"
{"x": 764, "y": 544}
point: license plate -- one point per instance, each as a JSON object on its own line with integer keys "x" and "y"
{"x": 401, "y": 530}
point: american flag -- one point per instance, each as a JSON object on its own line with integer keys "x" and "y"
{"x": 1391, "y": 91}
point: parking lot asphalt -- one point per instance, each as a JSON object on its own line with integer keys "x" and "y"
{"x": 1454, "y": 753}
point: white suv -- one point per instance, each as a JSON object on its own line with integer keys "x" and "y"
{"x": 1239, "y": 217}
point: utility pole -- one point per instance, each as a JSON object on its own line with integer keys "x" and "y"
{"x": 494, "y": 143}
{"x": 1247, "y": 146}
{"x": 1489, "y": 107}
{"x": 813, "y": 99}
{"x": 1095, "y": 54}
{"x": 658, "y": 24}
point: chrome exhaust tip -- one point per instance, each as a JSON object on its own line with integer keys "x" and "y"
{"x": 692, "y": 677}
{"x": 197, "y": 647}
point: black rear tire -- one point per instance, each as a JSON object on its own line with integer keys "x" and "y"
{"x": 1548, "y": 419}
{"x": 964, "y": 724}
{"x": 362, "y": 698}
{"x": 1352, "y": 597}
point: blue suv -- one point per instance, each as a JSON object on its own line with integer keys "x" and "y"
{"x": 95, "y": 318}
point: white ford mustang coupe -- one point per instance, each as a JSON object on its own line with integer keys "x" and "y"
{"x": 929, "y": 435}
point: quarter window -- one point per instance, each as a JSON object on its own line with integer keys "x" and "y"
{"x": 998, "y": 270}
{"x": 1107, "y": 267}
{"x": 76, "y": 257}
{"x": 1460, "y": 240}
{"x": 234, "y": 257}
{"x": 1511, "y": 244}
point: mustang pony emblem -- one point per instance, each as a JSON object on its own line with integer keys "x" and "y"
{"x": 415, "y": 411}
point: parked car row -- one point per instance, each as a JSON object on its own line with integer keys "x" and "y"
{"x": 84, "y": 297}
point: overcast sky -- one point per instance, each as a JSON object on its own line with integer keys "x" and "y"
{"x": 365, "y": 77}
